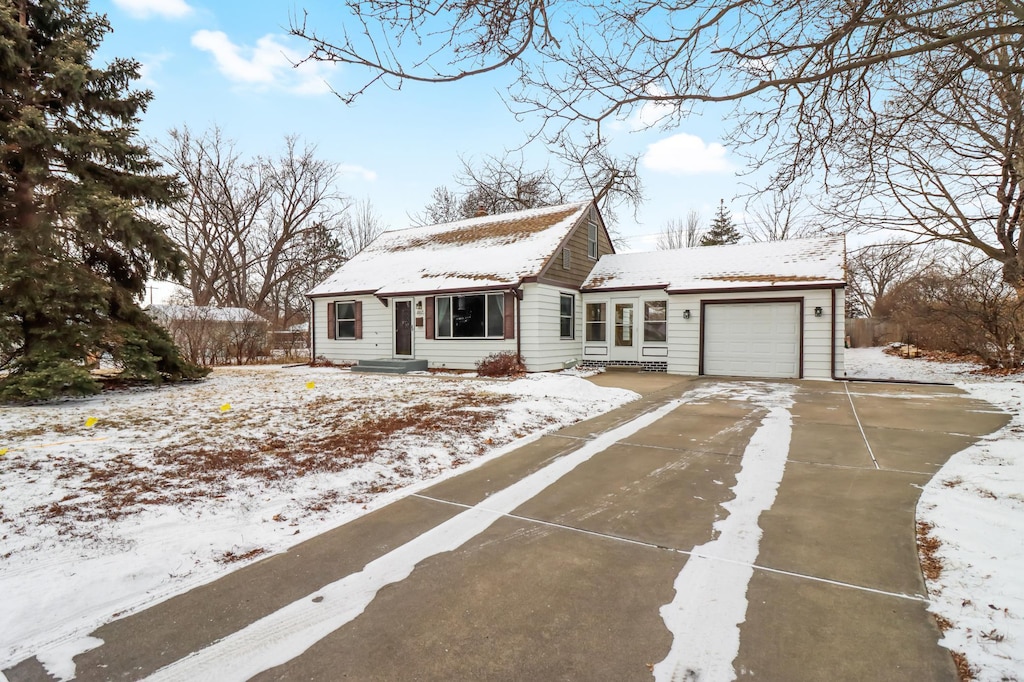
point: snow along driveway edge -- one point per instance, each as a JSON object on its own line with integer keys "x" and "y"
{"x": 290, "y": 631}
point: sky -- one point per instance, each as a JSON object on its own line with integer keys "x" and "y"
{"x": 230, "y": 63}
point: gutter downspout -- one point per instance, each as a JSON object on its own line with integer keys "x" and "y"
{"x": 833, "y": 334}
{"x": 312, "y": 330}
{"x": 518, "y": 293}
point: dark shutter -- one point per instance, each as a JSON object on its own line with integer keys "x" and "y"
{"x": 510, "y": 315}
{"x": 332, "y": 326}
{"x": 429, "y": 328}
{"x": 359, "y": 319}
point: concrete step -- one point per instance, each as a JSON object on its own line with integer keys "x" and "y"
{"x": 389, "y": 366}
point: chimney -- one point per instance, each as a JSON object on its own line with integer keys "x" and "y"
{"x": 481, "y": 210}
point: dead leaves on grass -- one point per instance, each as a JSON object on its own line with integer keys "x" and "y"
{"x": 927, "y": 548}
{"x": 342, "y": 435}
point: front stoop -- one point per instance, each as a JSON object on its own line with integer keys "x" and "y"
{"x": 389, "y": 366}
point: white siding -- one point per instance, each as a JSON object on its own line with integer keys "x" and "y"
{"x": 651, "y": 351}
{"x": 377, "y": 338}
{"x": 542, "y": 347}
{"x": 684, "y": 334}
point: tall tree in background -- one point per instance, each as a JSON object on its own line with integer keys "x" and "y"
{"x": 911, "y": 112}
{"x": 722, "y": 230}
{"x": 501, "y": 184}
{"x": 258, "y": 233}
{"x": 76, "y": 245}
{"x": 778, "y": 215}
{"x": 680, "y": 234}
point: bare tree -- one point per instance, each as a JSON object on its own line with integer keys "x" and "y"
{"x": 873, "y": 271}
{"x": 259, "y": 233}
{"x": 360, "y": 225}
{"x": 502, "y": 184}
{"x": 777, "y": 215}
{"x": 680, "y": 234}
{"x": 895, "y": 102}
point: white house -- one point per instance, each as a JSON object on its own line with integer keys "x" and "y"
{"x": 755, "y": 310}
{"x": 546, "y": 284}
{"x": 453, "y": 294}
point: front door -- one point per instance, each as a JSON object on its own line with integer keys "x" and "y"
{"x": 624, "y": 345}
{"x": 403, "y": 329}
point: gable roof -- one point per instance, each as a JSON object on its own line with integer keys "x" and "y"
{"x": 785, "y": 264}
{"x": 478, "y": 253}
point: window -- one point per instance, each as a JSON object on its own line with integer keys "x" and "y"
{"x": 470, "y": 316}
{"x": 655, "y": 316}
{"x": 345, "y": 319}
{"x": 592, "y": 239}
{"x": 566, "y": 258}
{"x": 596, "y": 321}
{"x": 567, "y": 316}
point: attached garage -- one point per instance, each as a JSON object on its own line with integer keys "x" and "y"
{"x": 752, "y": 339}
{"x": 768, "y": 310}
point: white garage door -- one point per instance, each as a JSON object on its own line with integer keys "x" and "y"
{"x": 752, "y": 339}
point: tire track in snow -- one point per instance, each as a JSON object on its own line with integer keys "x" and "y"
{"x": 711, "y": 590}
{"x": 290, "y": 631}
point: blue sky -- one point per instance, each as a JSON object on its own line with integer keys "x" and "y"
{"x": 227, "y": 63}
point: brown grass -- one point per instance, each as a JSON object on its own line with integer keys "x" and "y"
{"x": 964, "y": 669}
{"x": 927, "y": 547}
{"x": 342, "y": 434}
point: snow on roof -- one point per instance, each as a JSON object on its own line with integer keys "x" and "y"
{"x": 196, "y": 312}
{"x": 768, "y": 264}
{"x": 488, "y": 251}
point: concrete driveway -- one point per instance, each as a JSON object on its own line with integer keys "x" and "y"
{"x": 652, "y": 533}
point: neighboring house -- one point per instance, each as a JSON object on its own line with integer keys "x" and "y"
{"x": 209, "y": 335}
{"x": 453, "y": 294}
{"x": 758, "y": 310}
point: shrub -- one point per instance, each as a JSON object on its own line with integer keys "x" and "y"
{"x": 506, "y": 364}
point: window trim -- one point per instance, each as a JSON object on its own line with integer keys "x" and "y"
{"x": 602, "y": 324}
{"x": 571, "y": 317}
{"x": 663, "y": 323}
{"x": 592, "y": 239}
{"x": 338, "y": 319}
{"x": 450, "y": 335}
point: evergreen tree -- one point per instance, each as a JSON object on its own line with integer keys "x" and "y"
{"x": 722, "y": 230}
{"x": 76, "y": 191}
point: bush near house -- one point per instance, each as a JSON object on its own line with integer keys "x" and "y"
{"x": 505, "y": 364}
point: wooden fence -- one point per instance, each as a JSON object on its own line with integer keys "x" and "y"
{"x": 862, "y": 332}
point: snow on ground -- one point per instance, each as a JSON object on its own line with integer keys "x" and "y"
{"x": 109, "y": 504}
{"x": 975, "y": 507}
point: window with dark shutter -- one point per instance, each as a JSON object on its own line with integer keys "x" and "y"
{"x": 510, "y": 315}
{"x": 428, "y": 328}
{"x": 358, "y": 319}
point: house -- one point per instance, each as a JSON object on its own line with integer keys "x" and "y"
{"x": 755, "y": 310}
{"x": 455, "y": 293}
{"x": 546, "y": 284}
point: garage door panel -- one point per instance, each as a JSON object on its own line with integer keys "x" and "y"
{"x": 752, "y": 339}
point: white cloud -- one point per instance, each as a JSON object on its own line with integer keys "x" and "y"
{"x": 350, "y": 169}
{"x": 149, "y": 66}
{"x": 685, "y": 154}
{"x": 143, "y": 9}
{"x": 652, "y": 111}
{"x": 269, "y": 64}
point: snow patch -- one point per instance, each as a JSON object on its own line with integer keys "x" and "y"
{"x": 711, "y": 591}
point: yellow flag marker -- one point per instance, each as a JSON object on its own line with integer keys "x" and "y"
{"x": 225, "y": 407}
{"x": 3, "y": 451}
{"x": 90, "y": 422}
{"x": 310, "y": 385}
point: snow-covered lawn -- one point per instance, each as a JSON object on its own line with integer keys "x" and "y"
{"x": 112, "y": 503}
{"x": 975, "y": 509}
